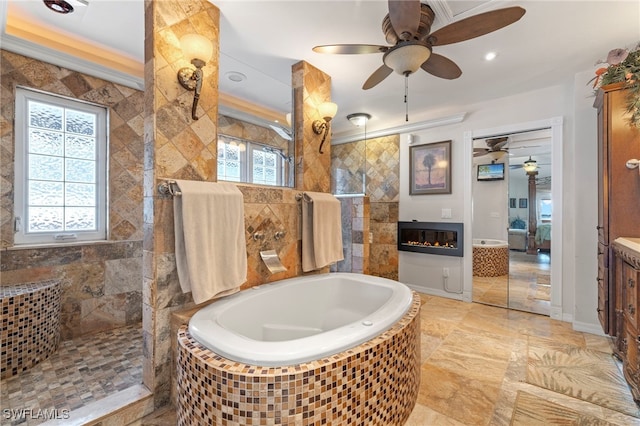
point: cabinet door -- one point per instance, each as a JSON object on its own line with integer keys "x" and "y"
{"x": 629, "y": 283}
{"x": 630, "y": 362}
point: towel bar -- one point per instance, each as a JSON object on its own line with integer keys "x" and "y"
{"x": 169, "y": 187}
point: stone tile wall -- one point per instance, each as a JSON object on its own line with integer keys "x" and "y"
{"x": 379, "y": 161}
{"x": 355, "y": 212}
{"x": 101, "y": 283}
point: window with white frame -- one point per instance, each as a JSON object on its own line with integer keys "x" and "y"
{"x": 60, "y": 169}
{"x": 244, "y": 161}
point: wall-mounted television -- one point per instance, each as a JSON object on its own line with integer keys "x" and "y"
{"x": 493, "y": 171}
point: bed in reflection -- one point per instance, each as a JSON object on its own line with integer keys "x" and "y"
{"x": 543, "y": 237}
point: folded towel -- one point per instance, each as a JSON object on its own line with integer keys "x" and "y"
{"x": 211, "y": 253}
{"x": 321, "y": 230}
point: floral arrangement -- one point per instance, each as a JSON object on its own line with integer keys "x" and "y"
{"x": 623, "y": 66}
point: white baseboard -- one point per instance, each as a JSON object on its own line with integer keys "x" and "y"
{"x": 436, "y": 292}
{"x": 586, "y": 327}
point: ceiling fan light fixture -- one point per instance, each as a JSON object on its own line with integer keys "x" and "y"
{"x": 496, "y": 155}
{"x": 407, "y": 58}
{"x": 359, "y": 119}
{"x": 530, "y": 165}
{"x": 490, "y": 56}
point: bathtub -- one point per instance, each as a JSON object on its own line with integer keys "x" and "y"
{"x": 321, "y": 314}
{"x": 320, "y": 349}
{"x": 485, "y": 242}
{"x": 490, "y": 257}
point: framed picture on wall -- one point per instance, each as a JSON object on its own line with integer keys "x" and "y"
{"x": 430, "y": 168}
{"x": 512, "y": 203}
{"x": 522, "y": 203}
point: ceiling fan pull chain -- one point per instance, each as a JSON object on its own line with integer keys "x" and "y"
{"x": 406, "y": 97}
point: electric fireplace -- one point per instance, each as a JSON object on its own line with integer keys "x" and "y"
{"x": 442, "y": 238}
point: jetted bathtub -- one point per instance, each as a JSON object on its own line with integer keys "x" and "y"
{"x": 300, "y": 319}
{"x": 333, "y": 348}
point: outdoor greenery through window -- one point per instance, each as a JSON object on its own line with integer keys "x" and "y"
{"x": 60, "y": 168}
{"x": 244, "y": 161}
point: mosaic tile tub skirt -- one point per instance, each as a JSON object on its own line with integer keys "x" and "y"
{"x": 30, "y": 325}
{"x": 375, "y": 383}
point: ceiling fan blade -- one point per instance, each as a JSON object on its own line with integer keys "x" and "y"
{"x": 405, "y": 17}
{"x": 377, "y": 76}
{"x": 496, "y": 144}
{"x": 476, "y": 26}
{"x": 350, "y": 49}
{"x": 441, "y": 67}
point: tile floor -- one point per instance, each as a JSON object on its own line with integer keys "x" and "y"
{"x": 82, "y": 371}
{"x": 474, "y": 366}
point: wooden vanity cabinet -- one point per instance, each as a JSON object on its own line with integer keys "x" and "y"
{"x": 627, "y": 272}
{"x": 618, "y": 195}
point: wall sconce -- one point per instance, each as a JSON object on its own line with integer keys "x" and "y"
{"x": 198, "y": 49}
{"x": 530, "y": 165}
{"x": 327, "y": 111}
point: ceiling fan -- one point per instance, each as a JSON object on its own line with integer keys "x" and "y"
{"x": 407, "y": 28}
{"x": 495, "y": 148}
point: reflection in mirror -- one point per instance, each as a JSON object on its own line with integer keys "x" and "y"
{"x": 511, "y": 269}
{"x": 254, "y": 149}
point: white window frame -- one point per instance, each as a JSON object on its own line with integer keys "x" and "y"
{"x": 246, "y": 159}
{"x": 252, "y": 146}
{"x": 22, "y": 236}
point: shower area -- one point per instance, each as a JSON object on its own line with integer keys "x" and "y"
{"x": 364, "y": 176}
{"x": 72, "y": 312}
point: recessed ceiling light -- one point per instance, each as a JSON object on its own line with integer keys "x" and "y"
{"x": 490, "y": 56}
{"x": 59, "y": 6}
{"x": 236, "y": 76}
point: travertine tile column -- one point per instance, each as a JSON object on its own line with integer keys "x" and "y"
{"x": 311, "y": 87}
{"x": 175, "y": 147}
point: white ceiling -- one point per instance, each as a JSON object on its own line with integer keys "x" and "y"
{"x": 262, "y": 39}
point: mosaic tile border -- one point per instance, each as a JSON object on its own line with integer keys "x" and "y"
{"x": 376, "y": 382}
{"x": 490, "y": 261}
{"x": 30, "y": 329}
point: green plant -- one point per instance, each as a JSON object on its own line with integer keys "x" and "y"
{"x": 623, "y": 67}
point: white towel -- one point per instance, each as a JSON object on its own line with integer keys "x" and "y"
{"x": 321, "y": 230}
{"x": 211, "y": 252}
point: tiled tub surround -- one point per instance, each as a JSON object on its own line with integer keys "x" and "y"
{"x": 376, "y": 383}
{"x": 490, "y": 261}
{"x": 30, "y": 325}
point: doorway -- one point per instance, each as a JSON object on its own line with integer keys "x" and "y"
{"x": 513, "y": 216}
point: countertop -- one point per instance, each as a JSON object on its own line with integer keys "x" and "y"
{"x": 631, "y": 243}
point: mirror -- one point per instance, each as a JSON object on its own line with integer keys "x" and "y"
{"x": 254, "y": 145}
{"x": 512, "y": 222}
